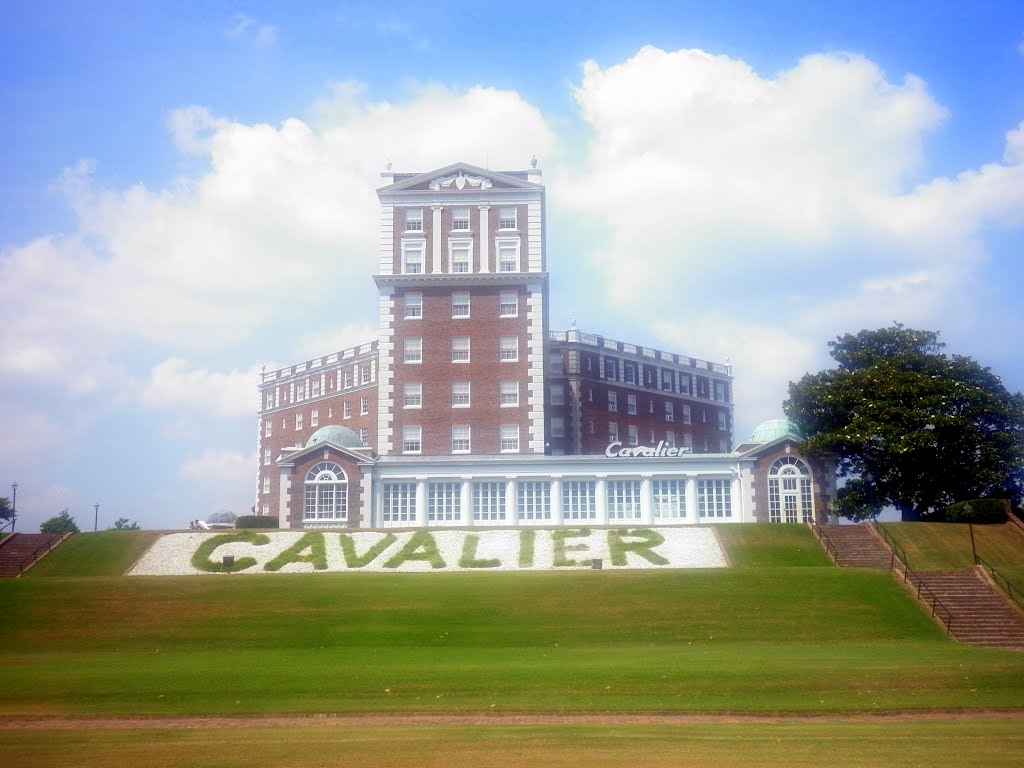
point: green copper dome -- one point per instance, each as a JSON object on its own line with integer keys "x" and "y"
{"x": 341, "y": 436}
{"x": 773, "y": 429}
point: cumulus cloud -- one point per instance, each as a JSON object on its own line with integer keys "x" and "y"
{"x": 245, "y": 27}
{"x": 218, "y": 466}
{"x": 173, "y": 384}
{"x": 325, "y": 341}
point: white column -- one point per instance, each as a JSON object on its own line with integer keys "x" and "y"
{"x": 466, "y": 503}
{"x": 485, "y": 241}
{"x": 691, "y": 501}
{"x": 511, "y": 503}
{"x": 421, "y": 503}
{"x": 602, "y": 501}
{"x": 646, "y": 501}
{"x": 437, "y": 239}
{"x": 736, "y": 499}
{"x": 556, "y": 501}
{"x": 284, "y": 485}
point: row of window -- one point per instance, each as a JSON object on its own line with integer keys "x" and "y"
{"x": 508, "y": 218}
{"x": 314, "y": 386}
{"x": 508, "y": 349}
{"x": 508, "y": 305}
{"x": 508, "y": 442}
{"x": 460, "y": 255}
{"x": 629, "y": 372}
{"x": 487, "y": 500}
{"x": 508, "y": 394}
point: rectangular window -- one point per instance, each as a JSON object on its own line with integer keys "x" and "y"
{"x": 314, "y": 388}
{"x": 507, "y": 217}
{"x": 460, "y": 394}
{"x": 266, "y": 456}
{"x": 629, "y": 373}
{"x": 631, "y": 404}
{"x": 669, "y": 498}
{"x": 460, "y": 304}
{"x": 349, "y": 379}
{"x": 413, "y": 349}
{"x": 444, "y": 502}
{"x": 364, "y": 374}
{"x": 634, "y": 437}
{"x": 364, "y": 406}
{"x": 684, "y": 383}
{"x": 579, "y": 500}
{"x": 510, "y": 438}
{"x": 555, "y": 365}
{"x": 460, "y": 257}
{"x": 413, "y": 306}
{"x": 314, "y": 418}
{"x": 623, "y": 500}
{"x": 687, "y": 417}
{"x": 266, "y": 483}
{"x": 460, "y": 439}
{"x": 460, "y": 219}
{"x": 489, "y": 500}
{"x": 557, "y": 394}
{"x": 412, "y": 439}
{"x": 413, "y": 219}
{"x": 669, "y": 411}
{"x": 667, "y": 380}
{"x": 509, "y": 349}
{"x": 534, "y": 499}
{"x": 460, "y": 349}
{"x": 412, "y": 394}
{"x": 508, "y": 257}
{"x": 688, "y": 443}
{"x": 412, "y": 258}
{"x": 364, "y": 435}
{"x": 714, "y": 498}
{"x": 557, "y": 426}
{"x": 670, "y": 438}
{"x": 509, "y": 394}
{"x": 613, "y": 401}
{"x": 347, "y": 408}
{"x": 267, "y": 428}
{"x": 270, "y": 400}
{"x": 508, "y": 304}
{"x": 723, "y": 422}
{"x": 721, "y": 391}
{"x": 611, "y": 368}
{"x": 613, "y": 431}
{"x": 300, "y": 391}
{"x": 298, "y": 421}
{"x": 399, "y": 503}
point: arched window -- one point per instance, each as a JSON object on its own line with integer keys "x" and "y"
{"x": 326, "y": 493}
{"x": 789, "y": 492}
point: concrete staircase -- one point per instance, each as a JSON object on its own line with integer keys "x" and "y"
{"x": 23, "y": 550}
{"x": 857, "y": 546}
{"x": 981, "y": 614}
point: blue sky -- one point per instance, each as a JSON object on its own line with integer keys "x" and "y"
{"x": 188, "y": 195}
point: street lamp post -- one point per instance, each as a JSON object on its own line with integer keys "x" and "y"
{"x": 96, "y": 518}
{"x": 14, "y": 506}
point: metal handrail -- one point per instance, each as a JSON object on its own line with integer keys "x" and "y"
{"x": 39, "y": 551}
{"x": 1001, "y": 581}
{"x": 830, "y": 548}
{"x": 939, "y": 611}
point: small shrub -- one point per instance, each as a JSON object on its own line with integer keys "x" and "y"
{"x": 973, "y": 511}
{"x": 257, "y": 521}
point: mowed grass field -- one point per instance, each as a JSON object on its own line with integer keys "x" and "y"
{"x": 780, "y": 632}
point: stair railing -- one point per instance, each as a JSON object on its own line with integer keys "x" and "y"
{"x": 39, "y": 551}
{"x": 930, "y": 599}
{"x": 826, "y": 542}
{"x": 1011, "y": 589}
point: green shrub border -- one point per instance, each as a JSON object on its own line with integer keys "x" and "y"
{"x": 257, "y": 521}
{"x": 973, "y": 511}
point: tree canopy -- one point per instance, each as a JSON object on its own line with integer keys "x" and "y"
{"x": 124, "y": 524}
{"x": 62, "y": 523}
{"x": 910, "y": 426}
{"x": 6, "y": 511}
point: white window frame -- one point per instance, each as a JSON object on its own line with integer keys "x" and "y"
{"x": 623, "y": 499}
{"x": 508, "y": 349}
{"x": 504, "y": 260}
{"x": 461, "y": 438}
{"x": 365, "y": 374}
{"x": 460, "y": 349}
{"x": 714, "y": 499}
{"x": 412, "y": 440}
{"x": 364, "y": 405}
{"x": 509, "y": 394}
{"x": 325, "y": 494}
{"x": 557, "y": 426}
{"x": 314, "y": 417}
{"x": 347, "y": 409}
{"x": 633, "y": 434}
{"x": 414, "y": 257}
{"x": 458, "y": 217}
{"x": 412, "y": 394}
{"x": 413, "y": 306}
{"x": 489, "y": 500}
{"x": 460, "y": 299}
{"x": 508, "y": 217}
{"x": 579, "y": 499}
{"x": 508, "y": 304}
{"x": 461, "y": 394}
{"x": 444, "y": 502}
{"x": 462, "y": 246}
{"x": 557, "y": 394}
{"x": 613, "y": 401}
{"x": 364, "y": 435}
{"x": 413, "y": 219}
{"x": 298, "y": 421}
{"x": 509, "y": 440}
{"x": 631, "y": 404}
{"x": 413, "y": 350}
{"x": 399, "y": 503}
{"x": 670, "y": 411}
{"x": 613, "y": 431}
{"x": 266, "y": 483}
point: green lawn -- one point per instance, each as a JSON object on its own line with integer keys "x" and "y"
{"x": 754, "y": 545}
{"x": 104, "y": 553}
{"x": 810, "y": 744}
{"x": 799, "y": 639}
{"x": 944, "y": 546}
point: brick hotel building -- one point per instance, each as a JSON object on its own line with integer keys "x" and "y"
{"x": 466, "y": 410}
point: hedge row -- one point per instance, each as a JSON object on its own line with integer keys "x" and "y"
{"x": 973, "y": 511}
{"x": 256, "y": 521}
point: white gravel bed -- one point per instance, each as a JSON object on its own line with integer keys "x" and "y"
{"x": 683, "y": 548}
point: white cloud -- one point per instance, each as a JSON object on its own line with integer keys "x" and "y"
{"x": 172, "y": 384}
{"x": 220, "y": 467}
{"x": 244, "y": 27}
{"x": 325, "y": 341}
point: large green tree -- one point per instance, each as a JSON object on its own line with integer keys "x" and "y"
{"x": 62, "y": 523}
{"x": 910, "y": 426}
{"x": 6, "y": 511}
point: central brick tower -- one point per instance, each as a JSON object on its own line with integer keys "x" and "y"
{"x": 463, "y": 320}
